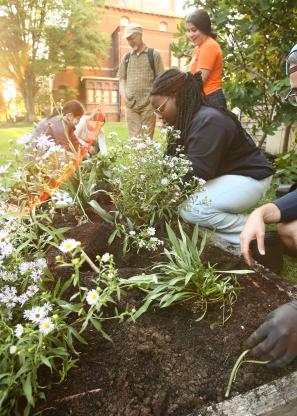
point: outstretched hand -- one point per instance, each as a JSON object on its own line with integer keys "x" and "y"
{"x": 276, "y": 339}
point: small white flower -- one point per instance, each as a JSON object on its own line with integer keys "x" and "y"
{"x": 68, "y": 245}
{"x": 6, "y": 249}
{"x": 22, "y": 299}
{"x": 24, "y": 139}
{"x": 36, "y": 314}
{"x": 24, "y": 267}
{"x": 41, "y": 263}
{"x": 17, "y": 175}
{"x": 44, "y": 142}
{"x": 151, "y": 231}
{"x": 19, "y": 329}
{"x": 132, "y": 232}
{"x": 12, "y": 349}
{"x": 4, "y": 169}
{"x": 46, "y": 326}
{"x": 3, "y": 236}
{"x": 105, "y": 258}
{"x": 92, "y": 297}
{"x": 62, "y": 199}
{"x": 164, "y": 181}
{"x": 32, "y": 289}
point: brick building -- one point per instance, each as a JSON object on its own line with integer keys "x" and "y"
{"x": 100, "y": 87}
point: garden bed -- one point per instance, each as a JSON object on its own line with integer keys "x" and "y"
{"x": 166, "y": 363}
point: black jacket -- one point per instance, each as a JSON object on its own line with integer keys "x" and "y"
{"x": 216, "y": 146}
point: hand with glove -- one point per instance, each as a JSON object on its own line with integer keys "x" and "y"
{"x": 276, "y": 338}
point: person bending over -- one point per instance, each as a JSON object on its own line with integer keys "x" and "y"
{"x": 222, "y": 153}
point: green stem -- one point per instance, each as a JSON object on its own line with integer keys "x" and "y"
{"x": 240, "y": 360}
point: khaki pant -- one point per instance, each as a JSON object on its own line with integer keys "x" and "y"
{"x": 138, "y": 118}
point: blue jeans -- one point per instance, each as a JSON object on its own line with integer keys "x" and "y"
{"x": 218, "y": 207}
{"x": 217, "y": 99}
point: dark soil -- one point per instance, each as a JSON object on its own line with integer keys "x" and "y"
{"x": 166, "y": 363}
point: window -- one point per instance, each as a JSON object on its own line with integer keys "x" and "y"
{"x": 106, "y": 96}
{"x": 90, "y": 96}
{"x": 98, "y": 96}
{"x": 114, "y": 97}
{"x": 163, "y": 27}
{"x": 124, "y": 21}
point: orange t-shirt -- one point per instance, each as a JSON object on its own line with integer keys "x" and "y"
{"x": 208, "y": 56}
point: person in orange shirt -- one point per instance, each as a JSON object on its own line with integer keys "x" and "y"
{"x": 207, "y": 57}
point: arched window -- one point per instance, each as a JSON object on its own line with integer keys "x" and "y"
{"x": 163, "y": 27}
{"x": 124, "y": 21}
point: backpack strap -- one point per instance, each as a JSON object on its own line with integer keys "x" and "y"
{"x": 150, "y": 55}
{"x": 126, "y": 61}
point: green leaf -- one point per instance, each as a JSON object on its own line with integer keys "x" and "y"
{"x": 106, "y": 216}
{"x": 27, "y": 389}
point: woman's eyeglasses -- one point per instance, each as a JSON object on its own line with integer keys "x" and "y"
{"x": 292, "y": 97}
{"x": 159, "y": 111}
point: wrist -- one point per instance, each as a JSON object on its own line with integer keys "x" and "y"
{"x": 270, "y": 213}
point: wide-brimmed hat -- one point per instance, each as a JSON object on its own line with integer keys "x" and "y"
{"x": 131, "y": 29}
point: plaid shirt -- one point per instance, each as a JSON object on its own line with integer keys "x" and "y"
{"x": 139, "y": 77}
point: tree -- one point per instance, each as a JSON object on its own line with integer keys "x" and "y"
{"x": 256, "y": 36}
{"x": 41, "y": 37}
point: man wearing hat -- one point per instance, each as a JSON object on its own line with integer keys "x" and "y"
{"x": 137, "y": 72}
{"x": 276, "y": 339}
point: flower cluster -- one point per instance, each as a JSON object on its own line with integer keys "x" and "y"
{"x": 155, "y": 190}
{"x": 42, "y": 166}
{"x": 144, "y": 237}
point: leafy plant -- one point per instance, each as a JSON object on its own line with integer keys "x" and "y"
{"x": 184, "y": 277}
{"x": 41, "y": 315}
{"x": 153, "y": 192}
{"x": 286, "y": 167}
{"x": 89, "y": 180}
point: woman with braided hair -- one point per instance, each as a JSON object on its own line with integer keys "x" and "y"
{"x": 222, "y": 153}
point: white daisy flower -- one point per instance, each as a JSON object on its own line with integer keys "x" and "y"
{"x": 46, "y": 326}
{"x": 19, "y": 329}
{"x": 36, "y": 314}
{"x": 44, "y": 142}
{"x": 4, "y": 236}
{"x": 12, "y": 349}
{"x": 68, "y": 245}
{"x": 105, "y": 258}
{"x": 92, "y": 297}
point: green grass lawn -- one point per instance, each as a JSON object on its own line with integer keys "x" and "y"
{"x": 9, "y": 136}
